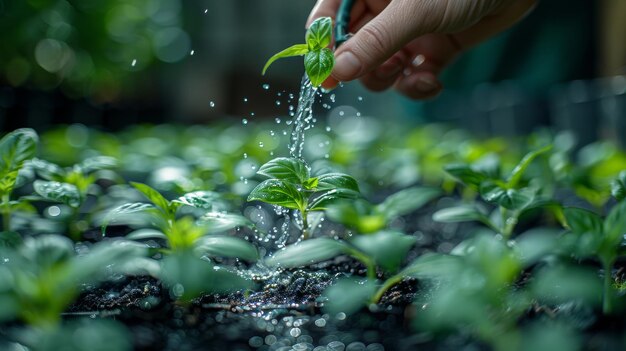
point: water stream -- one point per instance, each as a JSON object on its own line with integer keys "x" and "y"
{"x": 303, "y": 117}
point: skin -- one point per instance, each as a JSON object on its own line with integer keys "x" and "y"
{"x": 405, "y": 44}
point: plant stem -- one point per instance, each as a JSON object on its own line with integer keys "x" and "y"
{"x": 607, "y": 306}
{"x": 74, "y": 231}
{"x": 366, "y": 260}
{"x": 6, "y": 213}
{"x": 386, "y": 286}
{"x": 305, "y": 224}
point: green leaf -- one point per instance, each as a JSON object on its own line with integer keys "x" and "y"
{"x": 295, "y": 50}
{"x": 581, "y": 221}
{"x": 226, "y": 246}
{"x": 15, "y": 148}
{"x": 330, "y": 181}
{"x": 318, "y": 65}
{"x": 319, "y": 33}
{"x": 388, "y": 248}
{"x": 277, "y": 192}
{"x": 307, "y": 252}
{"x": 220, "y": 222}
{"x": 143, "y": 234}
{"x": 286, "y": 169}
{"x": 154, "y": 196}
{"x": 10, "y": 240}
{"x": 48, "y": 170}
{"x": 199, "y": 199}
{"x": 432, "y": 266}
{"x": 615, "y": 227}
{"x": 467, "y": 175}
{"x": 518, "y": 171}
{"x": 407, "y": 200}
{"x": 512, "y": 199}
{"x": 60, "y": 192}
{"x": 97, "y": 163}
{"x": 322, "y": 201}
{"x": 311, "y": 183}
{"x": 618, "y": 186}
{"x": 459, "y": 214}
{"x": 348, "y": 295}
{"x": 358, "y": 214}
{"x": 126, "y": 209}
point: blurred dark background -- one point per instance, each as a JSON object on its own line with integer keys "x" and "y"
{"x": 113, "y": 63}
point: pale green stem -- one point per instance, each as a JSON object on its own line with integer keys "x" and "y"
{"x": 607, "y": 305}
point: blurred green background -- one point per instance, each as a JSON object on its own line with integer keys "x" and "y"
{"x": 113, "y": 63}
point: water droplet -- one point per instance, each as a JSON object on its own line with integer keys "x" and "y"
{"x": 244, "y": 121}
{"x": 192, "y": 52}
{"x": 54, "y": 211}
{"x": 277, "y": 103}
{"x": 277, "y": 120}
{"x": 212, "y": 104}
{"x": 328, "y": 129}
{"x": 341, "y": 113}
{"x": 245, "y": 155}
{"x": 134, "y": 62}
{"x": 245, "y": 99}
{"x": 266, "y": 86}
{"x": 360, "y": 98}
{"x": 261, "y": 144}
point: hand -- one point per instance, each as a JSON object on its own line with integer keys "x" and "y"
{"x": 406, "y": 43}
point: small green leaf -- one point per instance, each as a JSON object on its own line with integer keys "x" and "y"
{"x": 60, "y": 192}
{"x": 408, "y": 200}
{"x": 467, "y": 175}
{"x": 307, "y": 252}
{"x": 286, "y": 169}
{"x": 319, "y": 33}
{"x": 220, "y": 222}
{"x": 330, "y": 181}
{"x": 126, "y": 209}
{"x": 348, "y": 295}
{"x": 97, "y": 163}
{"x": 432, "y": 266}
{"x": 15, "y": 148}
{"x": 204, "y": 200}
{"x": 10, "y": 240}
{"x": 581, "y": 221}
{"x": 615, "y": 227}
{"x": 311, "y": 183}
{"x": 322, "y": 201}
{"x": 276, "y": 192}
{"x": 358, "y": 214}
{"x": 226, "y": 246}
{"x": 518, "y": 171}
{"x": 618, "y": 186}
{"x": 459, "y": 214}
{"x": 295, "y": 50}
{"x": 512, "y": 199}
{"x": 318, "y": 65}
{"x": 47, "y": 170}
{"x": 154, "y": 196}
{"x": 388, "y": 248}
{"x": 143, "y": 234}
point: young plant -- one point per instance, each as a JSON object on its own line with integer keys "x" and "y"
{"x": 591, "y": 236}
{"x": 291, "y": 186}
{"x": 16, "y": 148}
{"x": 511, "y": 196}
{"x": 318, "y": 58}
{"x": 69, "y": 186}
{"x": 367, "y": 218}
{"x": 184, "y": 233}
{"x": 42, "y": 277}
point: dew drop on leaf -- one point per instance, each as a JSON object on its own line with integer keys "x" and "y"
{"x": 266, "y": 86}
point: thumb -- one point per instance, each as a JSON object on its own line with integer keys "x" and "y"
{"x": 376, "y": 41}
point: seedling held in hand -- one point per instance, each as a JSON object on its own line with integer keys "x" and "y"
{"x": 291, "y": 186}
{"x": 318, "y": 58}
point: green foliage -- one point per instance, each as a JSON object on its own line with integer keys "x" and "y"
{"x": 184, "y": 233}
{"x": 291, "y": 186}
{"x": 318, "y": 59}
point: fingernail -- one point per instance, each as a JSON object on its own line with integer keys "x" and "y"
{"x": 418, "y": 60}
{"x": 426, "y": 84}
{"x": 347, "y": 66}
{"x": 388, "y": 71}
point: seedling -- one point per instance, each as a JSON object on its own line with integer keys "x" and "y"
{"x": 69, "y": 186}
{"x": 510, "y": 195}
{"x": 602, "y": 239}
{"x": 183, "y": 234}
{"x": 40, "y": 279}
{"x": 318, "y": 58}
{"x": 291, "y": 186}
{"x": 15, "y": 149}
{"x": 366, "y": 218}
